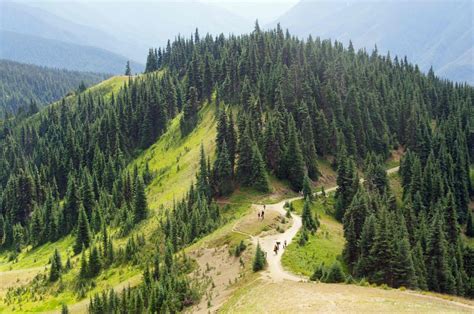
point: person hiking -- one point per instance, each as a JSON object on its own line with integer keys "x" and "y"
{"x": 258, "y": 214}
{"x": 284, "y": 244}
{"x": 275, "y": 249}
{"x": 263, "y": 214}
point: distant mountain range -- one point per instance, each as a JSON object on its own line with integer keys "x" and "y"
{"x": 59, "y": 54}
{"x": 69, "y": 34}
{"x": 101, "y": 36}
{"x": 429, "y": 33}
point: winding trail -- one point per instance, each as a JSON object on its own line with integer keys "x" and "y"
{"x": 275, "y": 271}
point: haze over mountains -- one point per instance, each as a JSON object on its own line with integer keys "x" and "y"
{"x": 101, "y": 36}
{"x": 438, "y": 33}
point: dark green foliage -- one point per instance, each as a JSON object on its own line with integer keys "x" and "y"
{"x": 347, "y": 184}
{"x": 64, "y": 309}
{"x": 94, "y": 263}
{"x": 293, "y": 99}
{"x": 469, "y": 226}
{"x": 140, "y": 208}
{"x": 24, "y": 87}
{"x": 245, "y": 161}
{"x": 83, "y": 232}
{"x": 383, "y": 251}
{"x": 319, "y": 273}
{"x": 353, "y": 221}
{"x": 259, "y": 261}
{"x": 375, "y": 174}
{"x": 307, "y": 190}
{"x": 56, "y": 266}
{"x": 222, "y": 172}
{"x": 260, "y": 179}
{"x": 334, "y": 274}
{"x": 293, "y": 166}
{"x": 128, "y": 70}
{"x": 303, "y": 238}
{"x": 310, "y": 222}
{"x": 439, "y": 276}
{"x": 190, "y": 112}
{"x": 239, "y": 248}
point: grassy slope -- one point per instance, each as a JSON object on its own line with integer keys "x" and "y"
{"x": 38, "y": 258}
{"x": 323, "y": 247}
{"x": 175, "y": 159}
{"x": 29, "y": 258}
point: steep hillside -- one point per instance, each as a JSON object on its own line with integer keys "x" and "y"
{"x": 63, "y": 55}
{"x": 173, "y": 162}
{"x": 21, "y": 84}
{"x": 198, "y": 155}
{"x": 429, "y": 33}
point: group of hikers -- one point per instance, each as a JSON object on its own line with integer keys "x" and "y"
{"x": 277, "y": 246}
{"x": 261, "y": 216}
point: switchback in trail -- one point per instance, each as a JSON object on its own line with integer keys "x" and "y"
{"x": 275, "y": 270}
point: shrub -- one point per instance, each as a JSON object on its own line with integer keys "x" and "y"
{"x": 318, "y": 273}
{"x": 335, "y": 274}
{"x": 239, "y": 248}
{"x": 303, "y": 237}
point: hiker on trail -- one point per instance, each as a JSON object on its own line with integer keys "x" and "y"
{"x": 258, "y": 215}
{"x": 275, "y": 249}
{"x": 278, "y": 244}
{"x": 264, "y": 206}
{"x": 263, "y": 214}
{"x": 284, "y": 244}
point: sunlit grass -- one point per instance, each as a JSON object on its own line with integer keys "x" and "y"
{"x": 324, "y": 247}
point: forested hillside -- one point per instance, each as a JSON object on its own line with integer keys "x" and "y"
{"x": 282, "y": 104}
{"x": 420, "y": 30}
{"x": 25, "y": 85}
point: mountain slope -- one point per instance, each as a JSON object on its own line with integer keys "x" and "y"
{"x": 57, "y": 54}
{"x": 22, "y": 83}
{"x": 428, "y": 32}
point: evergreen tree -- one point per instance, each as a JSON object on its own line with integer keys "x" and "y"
{"x": 364, "y": 264}
{"x": 222, "y": 172}
{"x": 259, "y": 260}
{"x": 469, "y": 226}
{"x": 260, "y": 179}
{"x": 83, "y": 232}
{"x": 309, "y": 222}
{"x": 335, "y": 274}
{"x": 307, "y": 190}
{"x": 128, "y": 70}
{"x": 245, "y": 160}
{"x": 84, "y": 270}
{"x": 347, "y": 184}
{"x": 140, "y": 207}
{"x": 439, "y": 277}
{"x": 293, "y": 165}
{"x": 71, "y": 204}
{"x": 56, "y": 266}
{"x": 382, "y": 252}
{"x": 94, "y": 262}
{"x": 190, "y": 112}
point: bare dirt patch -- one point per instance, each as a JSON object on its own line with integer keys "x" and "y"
{"x": 222, "y": 271}
{"x": 306, "y": 297}
{"x": 16, "y": 278}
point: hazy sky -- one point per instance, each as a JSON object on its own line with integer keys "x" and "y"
{"x": 265, "y": 10}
